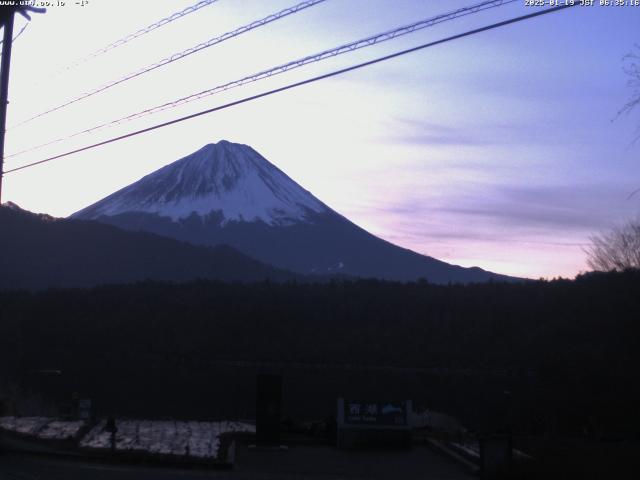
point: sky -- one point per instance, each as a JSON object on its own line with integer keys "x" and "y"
{"x": 502, "y": 150}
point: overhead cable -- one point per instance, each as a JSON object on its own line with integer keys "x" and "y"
{"x": 297, "y": 84}
{"x": 178, "y": 56}
{"x": 143, "y": 31}
{"x": 342, "y": 49}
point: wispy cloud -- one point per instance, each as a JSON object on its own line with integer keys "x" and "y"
{"x": 546, "y": 209}
{"x": 550, "y": 208}
{"x": 533, "y": 230}
{"x": 415, "y": 132}
{"x": 500, "y": 132}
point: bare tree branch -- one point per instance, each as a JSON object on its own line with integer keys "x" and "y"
{"x": 617, "y": 249}
{"x": 631, "y": 68}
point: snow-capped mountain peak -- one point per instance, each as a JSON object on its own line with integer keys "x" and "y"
{"x": 227, "y": 193}
{"x": 226, "y": 178}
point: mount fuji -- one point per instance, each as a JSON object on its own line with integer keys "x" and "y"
{"x": 227, "y": 193}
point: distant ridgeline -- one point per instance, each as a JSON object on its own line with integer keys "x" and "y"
{"x": 536, "y": 357}
{"x": 39, "y": 251}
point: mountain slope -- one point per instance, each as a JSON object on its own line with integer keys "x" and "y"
{"x": 39, "y": 251}
{"x": 227, "y": 193}
{"x": 231, "y": 179}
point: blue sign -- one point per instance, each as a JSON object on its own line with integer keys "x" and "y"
{"x": 375, "y": 413}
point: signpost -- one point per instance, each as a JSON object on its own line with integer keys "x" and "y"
{"x": 495, "y": 457}
{"x": 373, "y": 424}
{"x": 375, "y": 413}
{"x": 84, "y": 409}
{"x": 268, "y": 410}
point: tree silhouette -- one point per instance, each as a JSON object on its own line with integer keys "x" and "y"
{"x": 617, "y": 249}
{"x": 632, "y": 69}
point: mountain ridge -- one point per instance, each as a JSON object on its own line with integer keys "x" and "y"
{"x": 206, "y": 199}
{"x": 39, "y": 251}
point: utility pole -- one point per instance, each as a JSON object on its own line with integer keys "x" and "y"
{"x": 4, "y": 85}
{"x": 7, "y": 13}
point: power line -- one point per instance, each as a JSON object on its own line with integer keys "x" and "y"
{"x": 349, "y": 47}
{"x": 24, "y": 27}
{"x": 180, "y": 55}
{"x": 143, "y": 31}
{"x": 299, "y": 84}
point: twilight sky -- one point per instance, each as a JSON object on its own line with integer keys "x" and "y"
{"x": 500, "y": 150}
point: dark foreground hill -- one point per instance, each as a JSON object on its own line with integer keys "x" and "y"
{"x": 39, "y": 251}
{"x": 539, "y": 357}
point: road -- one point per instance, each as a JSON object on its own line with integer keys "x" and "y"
{"x": 313, "y": 463}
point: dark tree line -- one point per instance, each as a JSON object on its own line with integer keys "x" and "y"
{"x": 538, "y": 356}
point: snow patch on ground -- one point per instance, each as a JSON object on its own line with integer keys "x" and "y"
{"x": 471, "y": 448}
{"x": 61, "y": 430}
{"x": 42, "y": 427}
{"x": 195, "y": 439}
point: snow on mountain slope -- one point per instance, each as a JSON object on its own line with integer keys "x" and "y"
{"x": 227, "y": 178}
{"x": 229, "y": 194}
